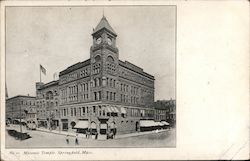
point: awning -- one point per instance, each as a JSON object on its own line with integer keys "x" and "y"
{"x": 115, "y": 110}
{"x": 81, "y": 124}
{"x": 103, "y": 126}
{"x": 22, "y": 120}
{"x": 159, "y": 124}
{"x": 93, "y": 125}
{"x": 108, "y": 109}
{"x": 147, "y": 123}
{"x": 123, "y": 110}
{"x": 164, "y": 122}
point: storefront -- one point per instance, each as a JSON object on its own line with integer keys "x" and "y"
{"x": 65, "y": 124}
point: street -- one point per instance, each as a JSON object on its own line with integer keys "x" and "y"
{"x": 44, "y": 139}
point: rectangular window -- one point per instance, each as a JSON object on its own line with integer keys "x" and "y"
{"x": 83, "y": 110}
{"x": 95, "y": 96}
{"x": 74, "y": 111}
{"x": 107, "y": 95}
{"x": 80, "y": 111}
{"x": 100, "y": 95}
{"x": 111, "y": 93}
{"x": 94, "y": 109}
{"x": 100, "y": 110}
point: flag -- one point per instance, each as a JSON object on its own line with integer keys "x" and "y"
{"x": 43, "y": 69}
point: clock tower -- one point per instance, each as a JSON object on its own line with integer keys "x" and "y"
{"x": 104, "y": 57}
{"x": 104, "y": 47}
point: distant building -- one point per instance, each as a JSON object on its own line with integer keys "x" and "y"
{"x": 47, "y": 103}
{"x": 18, "y": 107}
{"x": 169, "y": 107}
{"x": 99, "y": 93}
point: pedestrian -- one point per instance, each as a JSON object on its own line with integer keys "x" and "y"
{"x": 67, "y": 139}
{"x": 76, "y": 141}
{"x": 96, "y": 135}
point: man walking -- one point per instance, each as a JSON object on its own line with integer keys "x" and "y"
{"x": 76, "y": 141}
{"x": 67, "y": 139}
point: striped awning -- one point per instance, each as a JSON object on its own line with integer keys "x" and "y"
{"x": 108, "y": 109}
{"x": 123, "y": 110}
{"x": 115, "y": 109}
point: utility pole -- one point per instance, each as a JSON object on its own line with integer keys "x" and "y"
{"x": 20, "y": 120}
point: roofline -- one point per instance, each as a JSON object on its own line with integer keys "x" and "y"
{"x": 51, "y": 83}
{"x": 20, "y": 96}
{"x": 71, "y": 68}
{"x": 139, "y": 72}
{"x": 98, "y": 31}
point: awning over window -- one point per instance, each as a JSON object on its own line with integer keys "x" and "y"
{"x": 159, "y": 124}
{"x": 103, "y": 126}
{"x": 108, "y": 109}
{"x": 123, "y": 110}
{"x": 112, "y": 125}
{"x": 82, "y": 124}
{"x": 147, "y": 123}
{"x": 165, "y": 123}
{"x": 22, "y": 120}
{"x": 114, "y": 109}
{"x": 93, "y": 125}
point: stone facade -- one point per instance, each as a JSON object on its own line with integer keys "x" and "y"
{"x": 100, "y": 90}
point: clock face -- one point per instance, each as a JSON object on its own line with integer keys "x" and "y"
{"x": 99, "y": 40}
{"x": 109, "y": 41}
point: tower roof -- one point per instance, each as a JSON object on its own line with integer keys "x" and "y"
{"x": 104, "y": 24}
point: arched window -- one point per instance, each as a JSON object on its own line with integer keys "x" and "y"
{"x": 110, "y": 59}
{"x": 97, "y": 58}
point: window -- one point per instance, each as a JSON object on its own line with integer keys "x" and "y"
{"x": 111, "y": 93}
{"x": 97, "y": 58}
{"x": 83, "y": 110}
{"x": 110, "y": 82}
{"x": 94, "y": 109}
{"x": 64, "y": 112}
{"x": 100, "y": 110}
{"x": 110, "y": 59}
{"x": 107, "y": 95}
{"x": 95, "y": 96}
{"x": 100, "y": 95}
{"x": 80, "y": 111}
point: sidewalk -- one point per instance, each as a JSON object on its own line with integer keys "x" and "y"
{"x": 102, "y": 137}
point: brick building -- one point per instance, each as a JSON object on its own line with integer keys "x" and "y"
{"x": 167, "y": 109}
{"x": 19, "y": 107}
{"x": 99, "y": 93}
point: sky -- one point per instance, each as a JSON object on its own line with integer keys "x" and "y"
{"x": 58, "y": 37}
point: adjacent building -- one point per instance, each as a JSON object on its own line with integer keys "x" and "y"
{"x": 167, "y": 109}
{"x": 19, "y": 107}
{"x": 99, "y": 93}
